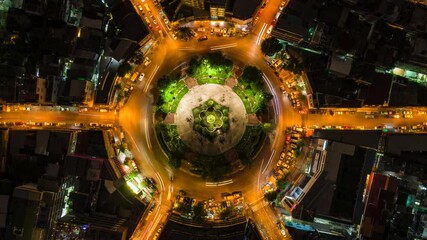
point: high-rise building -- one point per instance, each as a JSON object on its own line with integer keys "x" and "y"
{"x": 194, "y": 3}
{"x": 217, "y": 8}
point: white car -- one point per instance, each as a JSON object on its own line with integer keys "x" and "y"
{"x": 141, "y": 77}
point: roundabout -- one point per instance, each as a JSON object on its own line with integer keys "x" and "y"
{"x": 138, "y": 112}
{"x": 210, "y": 118}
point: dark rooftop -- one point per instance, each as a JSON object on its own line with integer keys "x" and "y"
{"x": 379, "y": 90}
{"x": 244, "y": 9}
{"x": 368, "y": 138}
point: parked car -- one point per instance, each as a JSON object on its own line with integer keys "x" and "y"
{"x": 202, "y": 38}
{"x": 141, "y": 77}
{"x": 146, "y": 62}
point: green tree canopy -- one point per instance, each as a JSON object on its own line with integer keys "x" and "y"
{"x": 251, "y": 73}
{"x": 270, "y": 46}
{"x": 271, "y": 196}
{"x": 199, "y": 212}
{"x": 217, "y": 58}
{"x": 175, "y": 161}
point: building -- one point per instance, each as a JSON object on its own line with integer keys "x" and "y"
{"x": 35, "y": 208}
{"x": 297, "y": 22}
{"x": 243, "y": 11}
{"x": 217, "y": 8}
{"x": 200, "y": 4}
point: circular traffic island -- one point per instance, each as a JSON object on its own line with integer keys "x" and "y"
{"x": 210, "y": 118}
{"x": 203, "y": 118}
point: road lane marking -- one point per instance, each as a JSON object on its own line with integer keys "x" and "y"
{"x": 259, "y": 174}
{"x": 134, "y": 143}
{"x": 261, "y": 33}
{"x": 269, "y": 161}
{"x": 162, "y": 185}
{"x": 230, "y": 45}
{"x": 275, "y": 98}
{"x": 151, "y": 78}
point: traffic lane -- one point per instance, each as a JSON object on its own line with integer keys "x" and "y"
{"x": 358, "y": 119}
{"x": 56, "y": 116}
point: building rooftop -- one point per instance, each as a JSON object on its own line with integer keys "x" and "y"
{"x": 245, "y": 9}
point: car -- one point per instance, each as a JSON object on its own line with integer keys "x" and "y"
{"x": 165, "y": 19}
{"x": 141, "y": 77}
{"x": 19, "y": 123}
{"x": 293, "y": 145}
{"x": 155, "y": 22}
{"x": 212, "y": 31}
{"x": 62, "y": 124}
{"x": 369, "y": 116}
{"x": 282, "y": 5}
{"x": 270, "y": 29}
{"x": 93, "y": 124}
{"x": 169, "y": 27}
{"x": 78, "y": 124}
{"x": 202, "y": 38}
{"x": 174, "y": 36}
{"x": 47, "y": 124}
{"x": 146, "y": 62}
{"x": 407, "y": 116}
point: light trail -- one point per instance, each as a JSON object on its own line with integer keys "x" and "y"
{"x": 230, "y": 45}
{"x": 151, "y": 78}
{"x": 269, "y": 161}
{"x": 261, "y": 33}
{"x": 215, "y": 184}
{"x": 134, "y": 143}
{"x": 259, "y": 174}
{"x": 147, "y": 135}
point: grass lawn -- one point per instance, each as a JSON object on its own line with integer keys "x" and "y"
{"x": 251, "y": 141}
{"x": 213, "y": 80}
{"x": 218, "y": 73}
{"x": 172, "y": 95}
{"x": 252, "y": 98}
{"x": 169, "y": 139}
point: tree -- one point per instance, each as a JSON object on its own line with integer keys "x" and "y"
{"x": 199, "y": 213}
{"x": 224, "y": 214}
{"x": 270, "y": 46}
{"x": 192, "y": 65}
{"x": 251, "y": 73}
{"x": 217, "y": 59}
{"x": 124, "y": 68}
{"x": 174, "y": 161}
{"x": 184, "y": 33}
{"x": 163, "y": 82}
{"x": 267, "y": 127}
{"x": 282, "y": 183}
{"x": 271, "y": 196}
